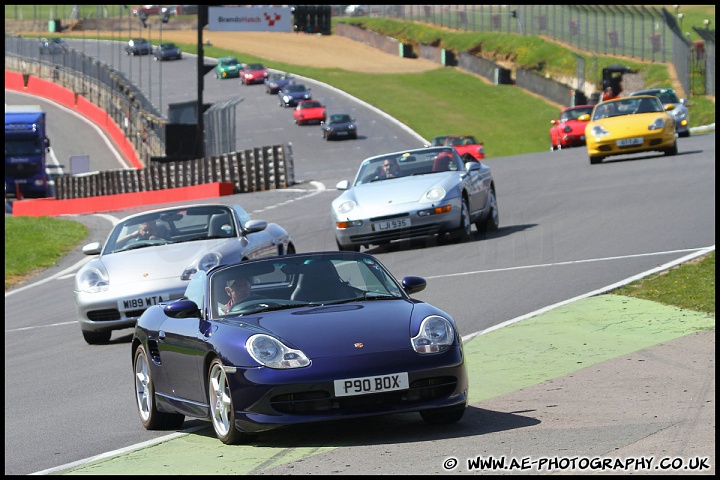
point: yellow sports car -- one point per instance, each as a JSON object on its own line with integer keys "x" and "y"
{"x": 630, "y": 125}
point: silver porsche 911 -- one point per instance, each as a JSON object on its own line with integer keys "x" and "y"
{"x": 414, "y": 193}
{"x": 149, "y": 258}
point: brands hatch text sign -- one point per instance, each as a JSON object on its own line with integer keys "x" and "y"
{"x": 250, "y": 19}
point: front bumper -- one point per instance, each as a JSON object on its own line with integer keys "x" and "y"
{"x": 112, "y": 311}
{"x": 652, "y": 141}
{"x": 420, "y": 226}
{"x": 274, "y": 399}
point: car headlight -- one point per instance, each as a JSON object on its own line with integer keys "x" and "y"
{"x": 272, "y": 353}
{"x": 346, "y": 207}
{"x": 92, "y": 278}
{"x": 658, "y": 124}
{"x": 599, "y": 131}
{"x": 435, "y": 194}
{"x": 436, "y": 335}
{"x": 206, "y": 262}
{"x": 287, "y": 98}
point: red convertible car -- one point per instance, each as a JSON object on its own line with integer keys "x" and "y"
{"x": 466, "y": 146}
{"x": 309, "y": 111}
{"x": 253, "y": 73}
{"x": 569, "y": 131}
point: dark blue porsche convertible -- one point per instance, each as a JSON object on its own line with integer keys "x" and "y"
{"x": 295, "y": 339}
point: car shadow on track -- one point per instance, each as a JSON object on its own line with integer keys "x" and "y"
{"x": 388, "y": 429}
{"x": 347, "y": 139}
{"x": 637, "y": 157}
{"x": 124, "y": 338}
{"x": 435, "y": 241}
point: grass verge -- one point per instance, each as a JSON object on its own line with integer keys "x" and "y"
{"x": 33, "y": 244}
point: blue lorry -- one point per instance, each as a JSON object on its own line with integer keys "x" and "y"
{"x": 26, "y": 148}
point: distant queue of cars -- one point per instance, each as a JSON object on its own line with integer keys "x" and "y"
{"x": 308, "y": 111}
{"x": 290, "y": 93}
{"x": 248, "y": 73}
{"x": 161, "y": 53}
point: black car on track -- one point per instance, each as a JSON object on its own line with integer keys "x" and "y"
{"x": 138, "y": 46}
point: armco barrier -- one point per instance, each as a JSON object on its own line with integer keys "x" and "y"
{"x": 257, "y": 169}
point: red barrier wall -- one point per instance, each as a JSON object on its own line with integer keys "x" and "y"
{"x": 39, "y": 207}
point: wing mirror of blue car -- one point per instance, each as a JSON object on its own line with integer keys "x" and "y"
{"x": 181, "y": 308}
{"x": 412, "y": 284}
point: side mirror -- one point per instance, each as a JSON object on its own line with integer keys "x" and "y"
{"x": 413, "y": 284}
{"x": 181, "y": 309}
{"x": 252, "y": 226}
{"x": 92, "y": 248}
{"x": 342, "y": 185}
{"x": 585, "y": 117}
{"x": 472, "y": 165}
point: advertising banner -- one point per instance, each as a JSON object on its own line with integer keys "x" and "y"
{"x": 250, "y": 19}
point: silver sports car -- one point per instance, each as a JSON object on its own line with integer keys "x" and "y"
{"x": 414, "y": 193}
{"x": 149, "y": 258}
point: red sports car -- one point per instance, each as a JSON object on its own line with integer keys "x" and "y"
{"x": 569, "y": 131}
{"x": 309, "y": 111}
{"x": 253, "y": 73}
{"x": 467, "y": 146}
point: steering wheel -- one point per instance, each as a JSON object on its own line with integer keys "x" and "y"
{"x": 248, "y": 305}
{"x": 140, "y": 243}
